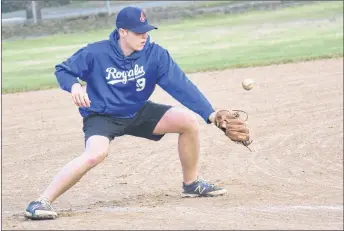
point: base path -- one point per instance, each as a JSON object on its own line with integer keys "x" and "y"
{"x": 292, "y": 180}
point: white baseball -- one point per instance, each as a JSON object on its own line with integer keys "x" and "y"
{"x": 247, "y": 84}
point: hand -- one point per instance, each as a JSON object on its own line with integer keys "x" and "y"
{"x": 211, "y": 118}
{"x": 79, "y": 96}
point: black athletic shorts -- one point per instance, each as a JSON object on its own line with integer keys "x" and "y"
{"x": 141, "y": 125}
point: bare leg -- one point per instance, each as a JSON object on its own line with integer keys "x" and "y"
{"x": 184, "y": 122}
{"x": 95, "y": 152}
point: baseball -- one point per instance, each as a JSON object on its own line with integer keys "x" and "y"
{"x": 247, "y": 84}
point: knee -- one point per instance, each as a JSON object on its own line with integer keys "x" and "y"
{"x": 191, "y": 123}
{"x": 95, "y": 157}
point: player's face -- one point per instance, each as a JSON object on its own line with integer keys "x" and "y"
{"x": 134, "y": 40}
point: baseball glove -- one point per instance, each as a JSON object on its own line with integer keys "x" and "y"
{"x": 233, "y": 126}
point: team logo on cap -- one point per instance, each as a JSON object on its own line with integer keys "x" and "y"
{"x": 143, "y": 17}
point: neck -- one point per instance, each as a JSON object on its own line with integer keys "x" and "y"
{"x": 125, "y": 49}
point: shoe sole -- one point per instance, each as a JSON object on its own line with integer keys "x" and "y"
{"x": 211, "y": 194}
{"x": 41, "y": 215}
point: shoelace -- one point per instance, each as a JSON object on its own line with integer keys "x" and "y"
{"x": 46, "y": 203}
{"x": 204, "y": 182}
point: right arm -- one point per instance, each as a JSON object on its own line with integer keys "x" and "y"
{"x": 79, "y": 65}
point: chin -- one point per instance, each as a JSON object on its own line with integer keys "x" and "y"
{"x": 139, "y": 48}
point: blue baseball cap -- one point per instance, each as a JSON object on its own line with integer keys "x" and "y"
{"x": 133, "y": 19}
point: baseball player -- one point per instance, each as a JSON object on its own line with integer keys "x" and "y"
{"x": 121, "y": 74}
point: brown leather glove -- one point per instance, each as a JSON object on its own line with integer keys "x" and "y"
{"x": 233, "y": 126}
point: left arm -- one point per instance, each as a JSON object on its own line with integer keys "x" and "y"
{"x": 174, "y": 81}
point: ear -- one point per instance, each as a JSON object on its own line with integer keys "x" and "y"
{"x": 122, "y": 32}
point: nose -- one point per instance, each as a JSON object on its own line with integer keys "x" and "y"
{"x": 144, "y": 35}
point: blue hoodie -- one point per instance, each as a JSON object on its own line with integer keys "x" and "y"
{"x": 119, "y": 86}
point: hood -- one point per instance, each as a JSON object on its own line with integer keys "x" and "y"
{"x": 114, "y": 36}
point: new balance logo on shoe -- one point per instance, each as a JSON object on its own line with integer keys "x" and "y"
{"x": 201, "y": 188}
{"x": 40, "y": 210}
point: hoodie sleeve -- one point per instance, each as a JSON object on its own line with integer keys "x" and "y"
{"x": 76, "y": 66}
{"x": 174, "y": 81}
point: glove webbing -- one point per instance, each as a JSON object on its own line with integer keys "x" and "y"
{"x": 236, "y": 115}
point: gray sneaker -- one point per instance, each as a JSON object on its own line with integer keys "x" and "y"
{"x": 201, "y": 188}
{"x": 40, "y": 210}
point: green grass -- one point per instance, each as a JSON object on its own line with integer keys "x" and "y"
{"x": 200, "y": 44}
{"x": 313, "y": 11}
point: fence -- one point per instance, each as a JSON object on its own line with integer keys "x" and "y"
{"x": 36, "y": 11}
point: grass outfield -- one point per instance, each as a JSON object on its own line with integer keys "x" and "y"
{"x": 205, "y": 43}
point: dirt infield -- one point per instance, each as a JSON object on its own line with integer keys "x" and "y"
{"x": 292, "y": 180}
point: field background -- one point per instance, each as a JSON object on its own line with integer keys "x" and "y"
{"x": 292, "y": 180}
{"x": 207, "y": 42}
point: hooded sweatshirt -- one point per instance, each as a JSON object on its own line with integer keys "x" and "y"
{"x": 119, "y": 86}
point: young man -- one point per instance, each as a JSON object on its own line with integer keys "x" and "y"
{"x": 121, "y": 74}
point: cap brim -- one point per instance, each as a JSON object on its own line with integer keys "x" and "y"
{"x": 143, "y": 29}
